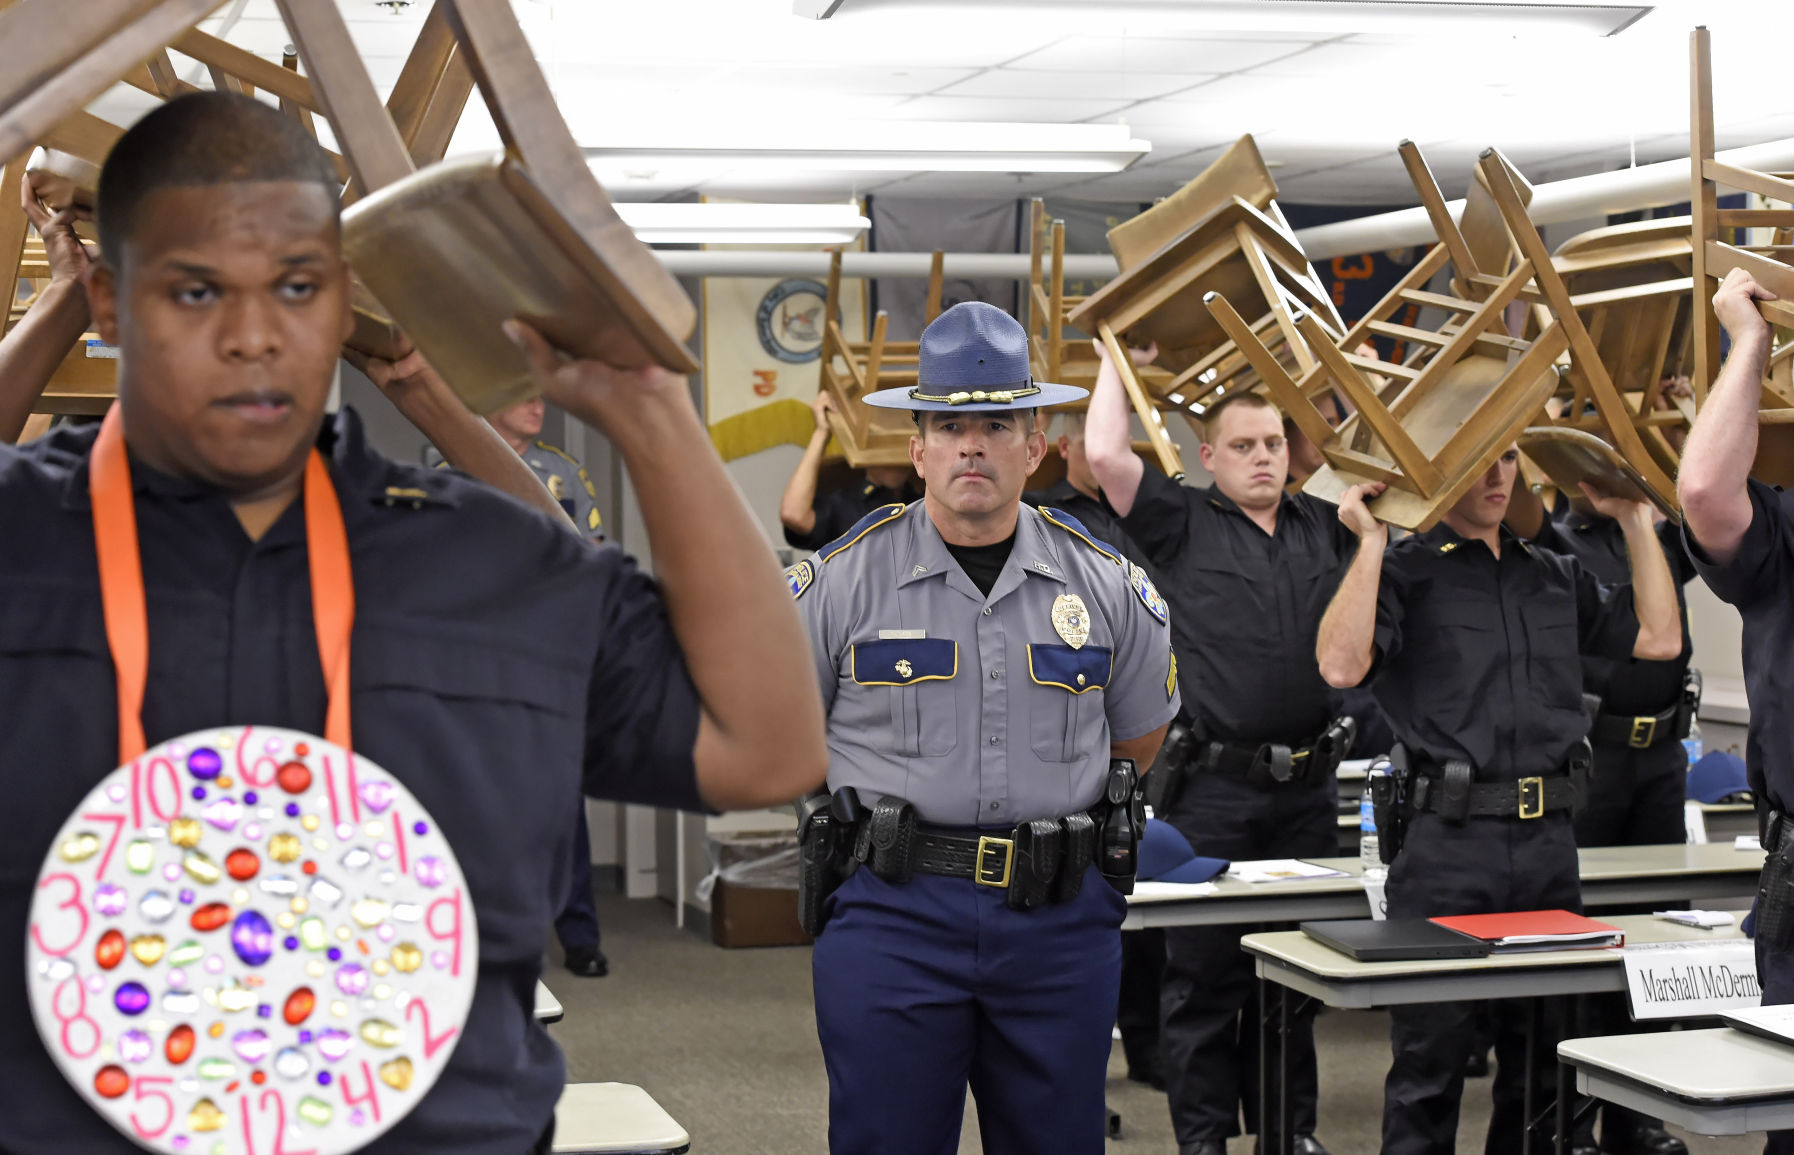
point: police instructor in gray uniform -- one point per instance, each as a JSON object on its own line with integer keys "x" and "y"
{"x": 988, "y": 672}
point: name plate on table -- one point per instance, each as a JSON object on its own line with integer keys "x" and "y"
{"x": 1685, "y": 979}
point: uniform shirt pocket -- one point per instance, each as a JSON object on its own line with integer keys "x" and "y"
{"x": 1068, "y": 703}
{"x": 917, "y": 674}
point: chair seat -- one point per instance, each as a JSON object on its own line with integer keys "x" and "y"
{"x": 456, "y": 249}
{"x": 614, "y": 1119}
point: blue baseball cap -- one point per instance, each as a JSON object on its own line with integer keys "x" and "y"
{"x": 1719, "y": 776}
{"x": 1165, "y": 856}
{"x": 975, "y": 356}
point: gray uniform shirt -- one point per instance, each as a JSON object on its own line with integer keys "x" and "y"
{"x": 566, "y": 479}
{"x": 979, "y": 710}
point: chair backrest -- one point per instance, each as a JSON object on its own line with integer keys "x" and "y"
{"x": 1238, "y": 172}
{"x": 648, "y": 316}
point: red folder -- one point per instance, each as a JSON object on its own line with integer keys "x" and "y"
{"x": 1535, "y": 930}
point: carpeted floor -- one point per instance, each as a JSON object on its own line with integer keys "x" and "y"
{"x": 726, "y": 1041}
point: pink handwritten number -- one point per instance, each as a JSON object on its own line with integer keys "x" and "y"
{"x": 118, "y": 828}
{"x": 431, "y": 1045}
{"x": 80, "y": 1016}
{"x": 280, "y": 1122}
{"x": 398, "y": 836}
{"x": 137, "y": 1085}
{"x": 249, "y": 773}
{"x": 73, "y": 902}
{"x": 330, "y": 782}
{"x": 372, "y": 1097}
{"x": 138, "y": 789}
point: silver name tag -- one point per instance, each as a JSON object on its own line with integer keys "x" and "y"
{"x": 901, "y": 635}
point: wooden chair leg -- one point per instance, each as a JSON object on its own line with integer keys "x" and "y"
{"x": 1704, "y": 205}
{"x": 936, "y": 285}
{"x": 1162, "y": 446}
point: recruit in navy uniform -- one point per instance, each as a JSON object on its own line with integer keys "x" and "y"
{"x": 986, "y": 670}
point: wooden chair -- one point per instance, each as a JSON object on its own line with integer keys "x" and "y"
{"x": 1221, "y": 233}
{"x": 852, "y": 369}
{"x": 566, "y": 261}
{"x": 1715, "y": 254}
{"x": 1460, "y": 397}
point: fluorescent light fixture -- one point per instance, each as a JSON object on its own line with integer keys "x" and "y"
{"x": 743, "y": 224}
{"x": 874, "y": 146}
{"x": 1398, "y": 17}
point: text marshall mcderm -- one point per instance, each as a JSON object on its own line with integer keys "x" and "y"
{"x": 1686, "y": 984}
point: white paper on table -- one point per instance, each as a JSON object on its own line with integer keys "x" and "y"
{"x": 1165, "y": 891}
{"x": 1748, "y": 842}
{"x": 1706, "y": 919}
{"x": 1280, "y": 870}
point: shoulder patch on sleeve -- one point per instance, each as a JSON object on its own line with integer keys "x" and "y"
{"x": 1149, "y": 594}
{"x": 560, "y": 453}
{"x": 878, "y": 517}
{"x": 799, "y": 578}
{"x": 1073, "y": 526}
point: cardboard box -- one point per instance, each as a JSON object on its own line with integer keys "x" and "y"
{"x": 754, "y": 916}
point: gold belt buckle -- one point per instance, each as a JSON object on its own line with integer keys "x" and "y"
{"x": 1532, "y": 797}
{"x": 1644, "y": 731}
{"x": 981, "y": 873}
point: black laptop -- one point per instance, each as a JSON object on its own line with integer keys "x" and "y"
{"x": 1394, "y": 940}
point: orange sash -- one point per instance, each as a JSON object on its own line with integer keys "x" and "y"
{"x": 121, "y": 584}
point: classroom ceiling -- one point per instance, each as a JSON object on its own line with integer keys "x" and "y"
{"x": 1328, "y": 87}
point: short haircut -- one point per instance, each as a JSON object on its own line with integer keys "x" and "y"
{"x": 203, "y": 138}
{"x": 1071, "y": 424}
{"x": 1245, "y": 399}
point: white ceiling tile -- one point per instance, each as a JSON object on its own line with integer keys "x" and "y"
{"x": 831, "y": 80}
{"x": 1006, "y": 82}
{"x": 988, "y": 109}
{"x": 1152, "y": 54}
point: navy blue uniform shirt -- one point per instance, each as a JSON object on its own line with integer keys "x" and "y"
{"x": 1246, "y": 605}
{"x": 838, "y": 510}
{"x": 1627, "y": 686}
{"x": 496, "y": 660}
{"x": 1759, "y": 582}
{"x": 1478, "y": 657}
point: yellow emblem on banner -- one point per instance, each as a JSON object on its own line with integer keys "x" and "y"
{"x": 1071, "y": 620}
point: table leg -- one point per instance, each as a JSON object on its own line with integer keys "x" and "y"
{"x": 1264, "y": 1064}
{"x": 1531, "y": 1074}
{"x": 1285, "y": 1141}
{"x": 1566, "y": 1095}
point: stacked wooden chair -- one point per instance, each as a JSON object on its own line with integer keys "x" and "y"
{"x": 1429, "y": 424}
{"x": 419, "y": 232}
{"x": 1716, "y": 253}
{"x": 852, "y": 369}
{"x": 1221, "y": 233}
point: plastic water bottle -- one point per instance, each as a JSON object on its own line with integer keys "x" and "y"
{"x": 1370, "y": 857}
{"x": 1692, "y": 743}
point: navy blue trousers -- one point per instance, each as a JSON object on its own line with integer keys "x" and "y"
{"x": 930, "y": 987}
{"x": 577, "y": 924}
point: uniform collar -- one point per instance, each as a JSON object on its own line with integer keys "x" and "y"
{"x": 1032, "y": 555}
{"x": 1443, "y": 539}
{"x": 364, "y": 479}
{"x": 1228, "y": 505}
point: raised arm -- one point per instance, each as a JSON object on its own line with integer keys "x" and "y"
{"x": 1108, "y": 435}
{"x": 1722, "y": 447}
{"x": 1653, "y": 588}
{"x": 760, "y": 737}
{"x": 797, "y": 506}
{"x": 464, "y": 440}
{"x": 1346, "y": 646}
{"x": 31, "y": 353}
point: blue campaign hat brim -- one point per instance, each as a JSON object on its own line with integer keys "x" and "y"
{"x": 1196, "y": 870}
{"x": 1050, "y": 394}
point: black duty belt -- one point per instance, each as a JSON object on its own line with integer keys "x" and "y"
{"x": 1278, "y": 762}
{"x": 1037, "y": 862}
{"x": 1526, "y": 798}
{"x": 1640, "y": 732}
